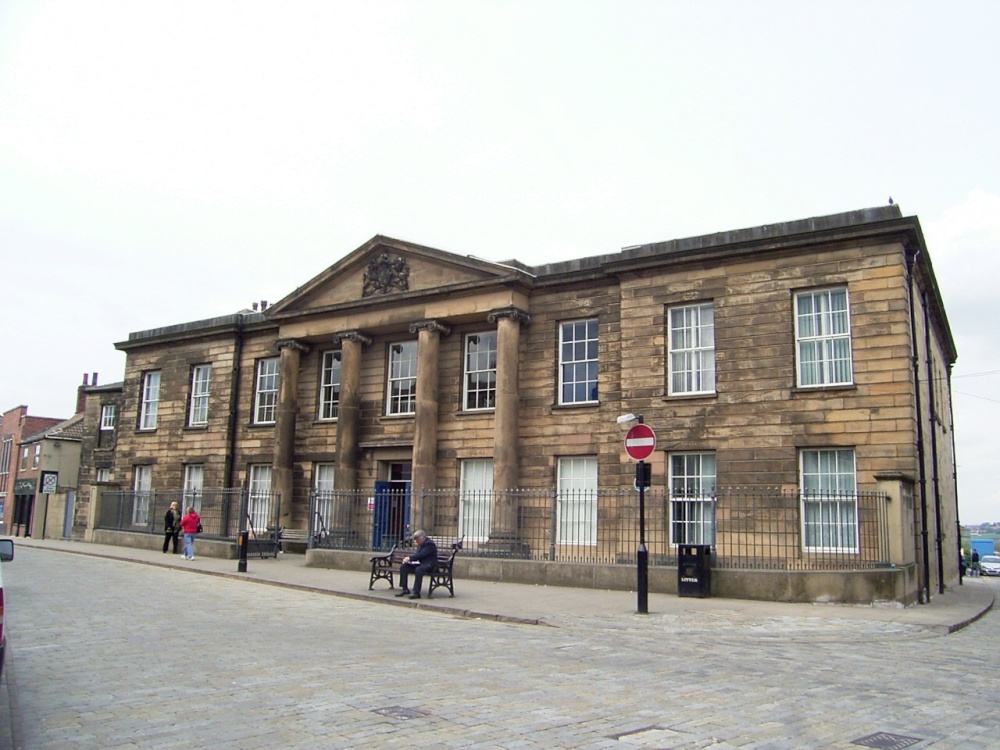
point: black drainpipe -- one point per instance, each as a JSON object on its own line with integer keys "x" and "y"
{"x": 925, "y": 589}
{"x": 934, "y": 452}
{"x": 954, "y": 472}
{"x": 234, "y": 402}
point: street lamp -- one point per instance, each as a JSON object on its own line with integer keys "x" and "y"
{"x": 640, "y": 442}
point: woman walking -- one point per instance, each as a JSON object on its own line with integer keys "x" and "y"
{"x": 190, "y": 525}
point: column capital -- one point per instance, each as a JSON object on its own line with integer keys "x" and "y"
{"x": 352, "y": 336}
{"x": 291, "y": 344}
{"x": 430, "y": 325}
{"x": 513, "y": 313}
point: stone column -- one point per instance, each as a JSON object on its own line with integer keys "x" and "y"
{"x": 429, "y": 334}
{"x": 284, "y": 424}
{"x": 505, "y": 431}
{"x": 348, "y": 412}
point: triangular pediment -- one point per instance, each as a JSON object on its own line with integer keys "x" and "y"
{"x": 384, "y": 269}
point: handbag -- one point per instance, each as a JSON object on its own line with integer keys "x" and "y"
{"x": 200, "y": 529}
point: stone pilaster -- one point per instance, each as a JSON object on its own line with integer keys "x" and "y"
{"x": 349, "y": 409}
{"x": 284, "y": 424}
{"x": 506, "y": 448}
{"x": 429, "y": 334}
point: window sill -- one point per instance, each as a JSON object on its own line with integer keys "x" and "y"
{"x": 578, "y": 405}
{"x": 146, "y": 432}
{"x": 195, "y": 428}
{"x": 326, "y": 421}
{"x": 691, "y": 396}
{"x": 799, "y": 390}
{"x": 261, "y": 425}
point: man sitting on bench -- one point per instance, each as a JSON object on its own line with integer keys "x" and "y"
{"x": 420, "y": 563}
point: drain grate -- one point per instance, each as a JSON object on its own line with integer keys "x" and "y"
{"x": 400, "y": 712}
{"x": 886, "y": 741}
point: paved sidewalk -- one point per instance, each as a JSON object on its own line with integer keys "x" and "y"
{"x": 561, "y": 606}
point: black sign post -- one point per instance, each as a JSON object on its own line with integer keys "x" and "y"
{"x": 640, "y": 442}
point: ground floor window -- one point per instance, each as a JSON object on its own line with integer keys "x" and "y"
{"x": 142, "y": 486}
{"x": 323, "y": 487}
{"x": 692, "y": 490}
{"x": 259, "y": 498}
{"x": 194, "y": 480}
{"x": 475, "y": 510}
{"x": 576, "y": 509}
{"x": 829, "y": 499}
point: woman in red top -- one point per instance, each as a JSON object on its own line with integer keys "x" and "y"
{"x": 189, "y": 525}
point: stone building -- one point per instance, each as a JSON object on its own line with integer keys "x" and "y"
{"x": 806, "y": 362}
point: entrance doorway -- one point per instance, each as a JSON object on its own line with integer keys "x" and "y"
{"x": 392, "y": 505}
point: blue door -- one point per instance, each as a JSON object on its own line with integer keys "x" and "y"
{"x": 391, "y": 520}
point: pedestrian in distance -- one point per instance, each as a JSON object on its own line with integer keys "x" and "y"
{"x": 974, "y": 569}
{"x": 191, "y": 526}
{"x": 171, "y": 527}
{"x": 422, "y": 562}
{"x": 961, "y": 563}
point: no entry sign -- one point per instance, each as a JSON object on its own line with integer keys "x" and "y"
{"x": 640, "y": 442}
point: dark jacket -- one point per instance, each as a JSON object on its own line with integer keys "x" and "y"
{"x": 172, "y": 523}
{"x": 426, "y": 555}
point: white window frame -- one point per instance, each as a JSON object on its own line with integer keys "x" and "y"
{"x": 24, "y": 458}
{"x": 401, "y": 392}
{"x": 36, "y": 459}
{"x": 107, "y": 417}
{"x": 329, "y": 389}
{"x": 691, "y": 481}
{"x": 691, "y": 343}
{"x": 265, "y": 405}
{"x": 142, "y": 487}
{"x": 259, "y": 497}
{"x": 103, "y": 474}
{"x": 150, "y": 402}
{"x": 201, "y": 387}
{"x": 475, "y": 507}
{"x": 576, "y": 507}
{"x": 823, "y": 338}
{"x": 324, "y": 484}
{"x": 479, "y": 387}
{"x": 194, "y": 486}
{"x": 5, "y": 455}
{"x": 578, "y": 361}
{"x": 828, "y": 482}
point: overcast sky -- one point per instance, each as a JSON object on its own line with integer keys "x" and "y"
{"x": 162, "y": 162}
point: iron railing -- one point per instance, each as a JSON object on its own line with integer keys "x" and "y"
{"x": 748, "y": 528}
{"x": 224, "y": 512}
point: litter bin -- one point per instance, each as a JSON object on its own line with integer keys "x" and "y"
{"x": 694, "y": 570}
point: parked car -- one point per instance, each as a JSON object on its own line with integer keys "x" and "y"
{"x": 989, "y": 565}
{"x": 6, "y": 555}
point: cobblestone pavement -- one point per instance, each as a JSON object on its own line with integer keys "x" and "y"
{"x": 111, "y": 654}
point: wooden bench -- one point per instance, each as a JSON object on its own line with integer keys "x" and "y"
{"x": 384, "y": 566}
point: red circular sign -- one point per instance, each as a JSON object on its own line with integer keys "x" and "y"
{"x": 640, "y": 442}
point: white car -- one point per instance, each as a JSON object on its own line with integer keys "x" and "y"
{"x": 989, "y": 565}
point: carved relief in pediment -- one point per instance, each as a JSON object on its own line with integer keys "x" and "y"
{"x": 386, "y": 273}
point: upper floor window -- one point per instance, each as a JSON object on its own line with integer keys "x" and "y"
{"x": 481, "y": 371}
{"x": 402, "y": 393}
{"x": 103, "y": 474}
{"x": 201, "y": 383}
{"x": 329, "y": 389}
{"x": 36, "y": 459}
{"x": 5, "y": 454}
{"x": 692, "y": 490}
{"x": 24, "y": 458}
{"x": 578, "y": 362}
{"x": 829, "y": 499}
{"x": 823, "y": 337}
{"x": 691, "y": 341}
{"x": 108, "y": 417}
{"x": 150, "y": 400}
{"x": 266, "y": 392}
